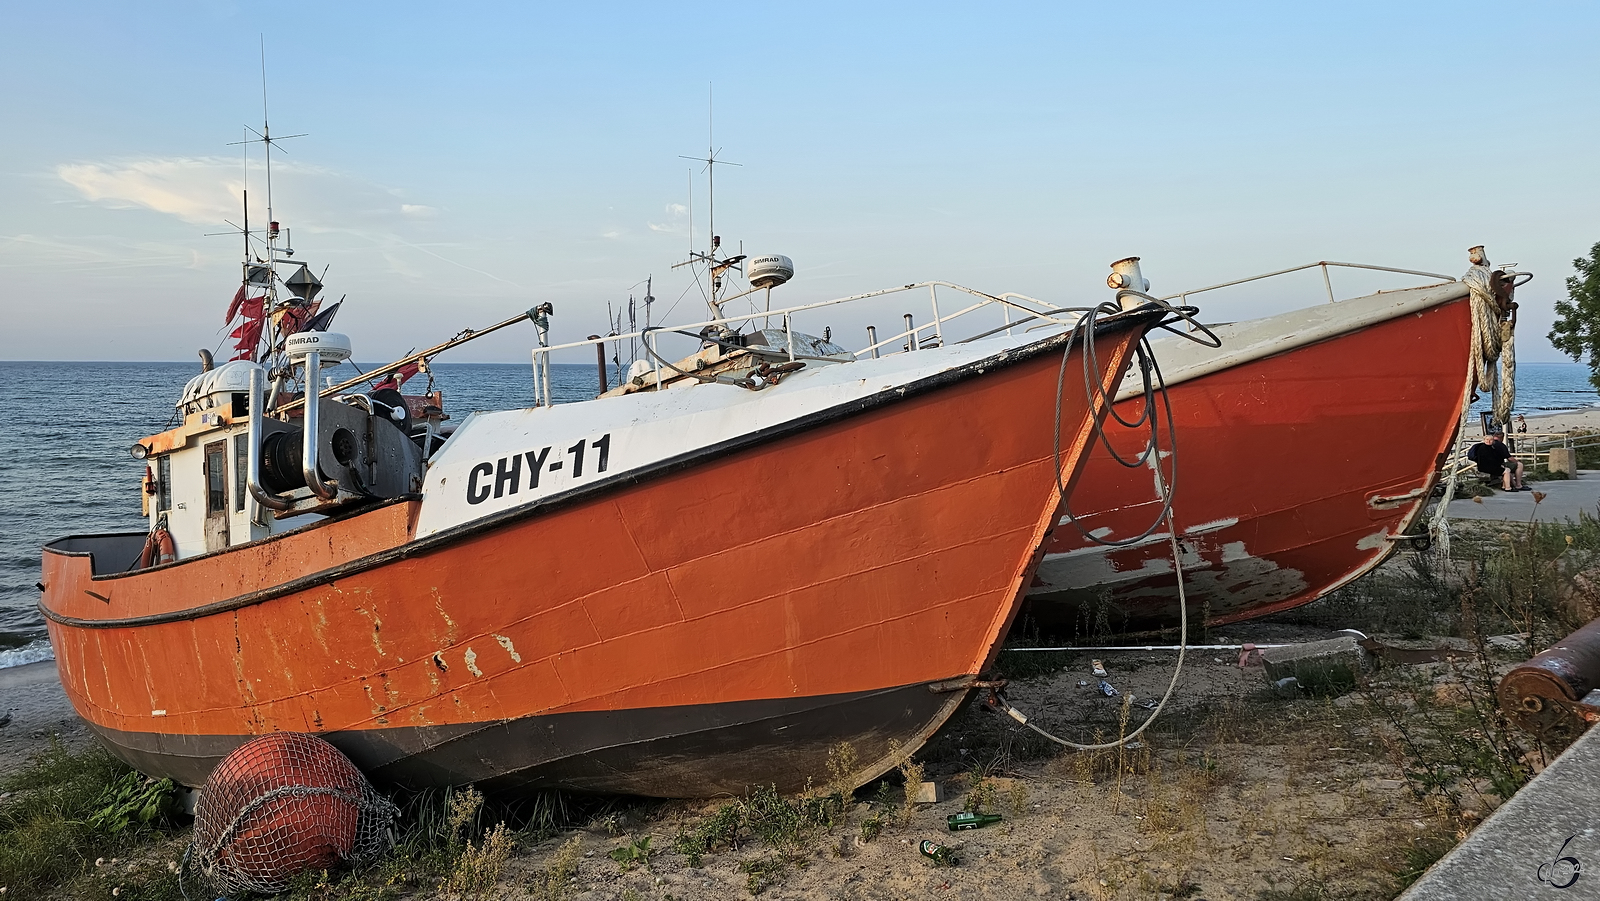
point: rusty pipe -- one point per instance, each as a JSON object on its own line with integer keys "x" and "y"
{"x": 1548, "y": 693}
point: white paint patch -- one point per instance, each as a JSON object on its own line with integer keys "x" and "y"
{"x": 510, "y": 648}
{"x": 158, "y": 713}
{"x": 1377, "y": 541}
{"x": 1101, "y": 532}
{"x": 471, "y": 657}
{"x": 1212, "y": 526}
{"x": 1228, "y": 577}
{"x": 1098, "y": 550}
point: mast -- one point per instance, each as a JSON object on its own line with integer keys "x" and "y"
{"x": 270, "y": 305}
{"x": 714, "y": 266}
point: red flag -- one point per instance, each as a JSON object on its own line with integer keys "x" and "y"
{"x": 233, "y": 308}
{"x": 399, "y": 376}
{"x": 293, "y": 319}
{"x": 249, "y": 335}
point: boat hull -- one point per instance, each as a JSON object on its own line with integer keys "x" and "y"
{"x": 721, "y": 623}
{"x": 1297, "y": 472}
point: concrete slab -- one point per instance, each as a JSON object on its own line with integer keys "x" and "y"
{"x": 1543, "y": 843}
{"x": 1563, "y": 500}
{"x": 1330, "y": 666}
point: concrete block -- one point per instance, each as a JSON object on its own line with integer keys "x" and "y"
{"x": 1319, "y": 667}
{"x": 1564, "y": 459}
{"x": 930, "y": 793}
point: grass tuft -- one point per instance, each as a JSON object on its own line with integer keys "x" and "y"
{"x": 67, "y": 809}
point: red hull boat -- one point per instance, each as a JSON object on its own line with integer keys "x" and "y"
{"x": 712, "y": 587}
{"x": 1284, "y": 489}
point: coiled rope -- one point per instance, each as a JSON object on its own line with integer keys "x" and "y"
{"x": 1166, "y": 479}
{"x": 1492, "y": 368}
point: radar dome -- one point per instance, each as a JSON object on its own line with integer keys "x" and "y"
{"x": 331, "y": 347}
{"x": 769, "y": 270}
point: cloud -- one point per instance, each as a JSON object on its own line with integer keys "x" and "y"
{"x": 92, "y": 253}
{"x": 677, "y": 220}
{"x": 332, "y": 206}
{"x": 199, "y": 190}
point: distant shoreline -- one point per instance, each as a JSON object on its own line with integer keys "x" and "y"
{"x": 1564, "y": 420}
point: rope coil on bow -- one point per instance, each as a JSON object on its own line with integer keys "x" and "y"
{"x": 1166, "y": 479}
{"x": 1494, "y": 320}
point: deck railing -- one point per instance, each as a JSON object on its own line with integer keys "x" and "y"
{"x": 1532, "y": 448}
{"x": 1015, "y": 309}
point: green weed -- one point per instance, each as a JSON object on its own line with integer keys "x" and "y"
{"x": 635, "y": 853}
{"x": 66, "y": 810}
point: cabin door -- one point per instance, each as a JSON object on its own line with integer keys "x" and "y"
{"x": 216, "y": 496}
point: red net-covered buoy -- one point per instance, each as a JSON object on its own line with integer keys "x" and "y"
{"x": 282, "y": 804}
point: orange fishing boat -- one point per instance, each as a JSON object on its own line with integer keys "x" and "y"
{"x": 707, "y": 582}
{"x": 1308, "y": 448}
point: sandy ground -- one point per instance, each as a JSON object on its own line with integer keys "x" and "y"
{"x": 1235, "y": 793}
{"x": 1565, "y": 421}
{"x": 39, "y": 711}
{"x": 1241, "y": 794}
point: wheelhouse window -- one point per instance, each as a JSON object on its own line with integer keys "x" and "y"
{"x": 216, "y": 478}
{"x": 164, "y": 484}
{"x": 241, "y": 464}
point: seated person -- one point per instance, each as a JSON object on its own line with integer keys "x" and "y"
{"x": 1495, "y": 461}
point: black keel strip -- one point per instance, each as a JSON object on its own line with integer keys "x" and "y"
{"x": 699, "y": 750}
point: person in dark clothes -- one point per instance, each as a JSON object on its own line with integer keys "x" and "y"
{"x": 1494, "y": 460}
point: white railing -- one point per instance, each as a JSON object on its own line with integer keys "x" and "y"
{"x": 928, "y": 334}
{"x": 1183, "y": 296}
{"x": 1026, "y": 309}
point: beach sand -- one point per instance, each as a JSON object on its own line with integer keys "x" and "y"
{"x": 40, "y": 714}
{"x": 1565, "y": 421}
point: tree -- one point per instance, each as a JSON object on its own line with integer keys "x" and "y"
{"x": 1577, "y": 328}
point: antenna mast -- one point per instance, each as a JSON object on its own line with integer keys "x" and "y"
{"x": 714, "y": 266}
{"x": 270, "y": 305}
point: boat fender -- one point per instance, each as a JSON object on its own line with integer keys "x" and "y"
{"x": 158, "y": 549}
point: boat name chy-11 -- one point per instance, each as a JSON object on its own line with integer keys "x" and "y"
{"x": 504, "y": 476}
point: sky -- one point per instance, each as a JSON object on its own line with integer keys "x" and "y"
{"x": 464, "y": 162}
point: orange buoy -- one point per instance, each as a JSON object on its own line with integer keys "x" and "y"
{"x": 279, "y": 805}
{"x": 158, "y": 549}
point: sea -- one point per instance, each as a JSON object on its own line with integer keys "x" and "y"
{"x": 65, "y": 430}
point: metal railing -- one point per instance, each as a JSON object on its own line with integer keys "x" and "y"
{"x": 914, "y": 337}
{"x": 1531, "y": 448}
{"x": 1327, "y": 282}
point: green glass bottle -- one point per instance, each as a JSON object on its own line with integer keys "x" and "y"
{"x": 942, "y": 855}
{"x": 959, "y": 821}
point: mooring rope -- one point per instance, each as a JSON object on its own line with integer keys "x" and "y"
{"x": 1166, "y": 481}
{"x": 1492, "y": 368}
